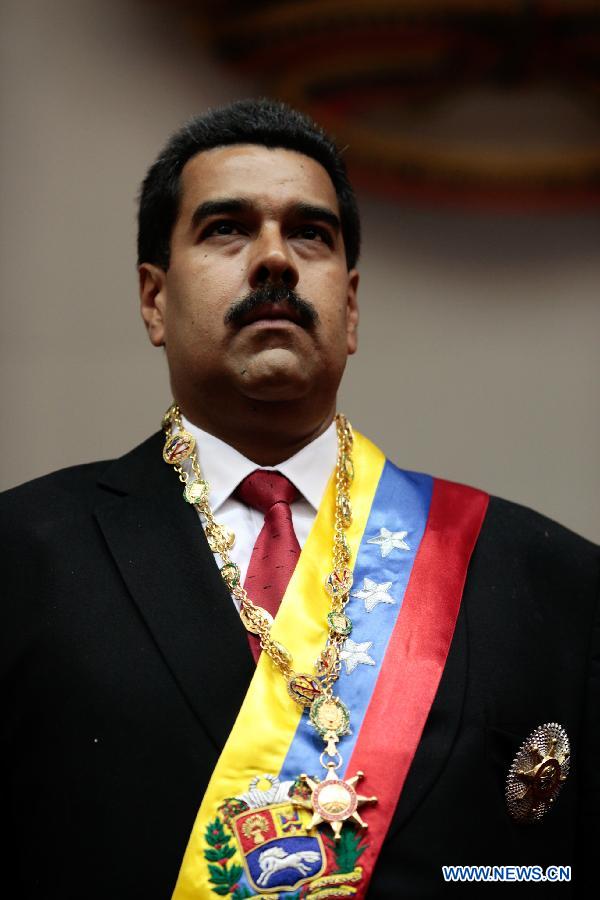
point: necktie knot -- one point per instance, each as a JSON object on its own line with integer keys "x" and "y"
{"x": 262, "y": 489}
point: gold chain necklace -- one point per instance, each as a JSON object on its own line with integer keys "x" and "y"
{"x": 327, "y": 713}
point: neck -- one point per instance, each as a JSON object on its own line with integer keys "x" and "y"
{"x": 268, "y": 434}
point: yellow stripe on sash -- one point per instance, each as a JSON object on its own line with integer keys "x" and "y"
{"x": 268, "y": 719}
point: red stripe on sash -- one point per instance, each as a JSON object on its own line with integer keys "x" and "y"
{"x": 416, "y": 656}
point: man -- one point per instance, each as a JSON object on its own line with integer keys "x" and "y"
{"x": 145, "y": 754}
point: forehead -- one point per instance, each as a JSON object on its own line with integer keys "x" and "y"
{"x": 268, "y": 177}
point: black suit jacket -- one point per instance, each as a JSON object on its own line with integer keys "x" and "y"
{"x": 124, "y": 663}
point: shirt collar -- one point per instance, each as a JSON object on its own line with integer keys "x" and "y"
{"x": 224, "y": 467}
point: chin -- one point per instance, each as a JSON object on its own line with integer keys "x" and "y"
{"x": 278, "y": 375}
{"x": 281, "y": 390}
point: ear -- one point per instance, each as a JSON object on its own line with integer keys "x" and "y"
{"x": 352, "y": 311}
{"x": 153, "y": 300}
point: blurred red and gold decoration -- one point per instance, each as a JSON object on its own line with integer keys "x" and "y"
{"x": 481, "y": 102}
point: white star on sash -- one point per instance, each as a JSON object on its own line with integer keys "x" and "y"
{"x": 390, "y": 540}
{"x": 373, "y": 593}
{"x": 354, "y": 653}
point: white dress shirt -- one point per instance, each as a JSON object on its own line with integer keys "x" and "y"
{"x": 224, "y": 468}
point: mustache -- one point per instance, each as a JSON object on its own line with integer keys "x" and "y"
{"x": 272, "y": 294}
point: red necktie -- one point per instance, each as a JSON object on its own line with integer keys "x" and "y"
{"x": 276, "y": 550}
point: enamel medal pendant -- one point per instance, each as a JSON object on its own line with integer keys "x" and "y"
{"x": 334, "y": 799}
{"x": 178, "y": 447}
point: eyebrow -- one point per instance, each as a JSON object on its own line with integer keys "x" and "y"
{"x": 320, "y": 213}
{"x": 219, "y": 207}
{"x": 229, "y": 205}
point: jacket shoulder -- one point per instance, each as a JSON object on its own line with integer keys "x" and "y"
{"x": 74, "y": 485}
{"x": 76, "y": 489}
{"x": 518, "y": 542}
{"x": 520, "y": 523}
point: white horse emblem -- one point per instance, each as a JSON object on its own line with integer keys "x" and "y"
{"x": 274, "y": 859}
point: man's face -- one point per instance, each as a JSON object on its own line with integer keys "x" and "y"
{"x": 252, "y": 220}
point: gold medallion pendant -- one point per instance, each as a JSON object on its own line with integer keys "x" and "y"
{"x": 254, "y": 621}
{"x": 339, "y": 623}
{"x": 178, "y": 447}
{"x": 338, "y": 583}
{"x": 196, "y": 491}
{"x": 329, "y": 714}
{"x": 304, "y": 689}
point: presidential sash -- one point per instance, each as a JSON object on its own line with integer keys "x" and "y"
{"x": 411, "y": 538}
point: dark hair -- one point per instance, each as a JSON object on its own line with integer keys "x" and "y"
{"x": 267, "y": 122}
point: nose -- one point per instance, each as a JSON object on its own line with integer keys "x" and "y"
{"x": 271, "y": 260}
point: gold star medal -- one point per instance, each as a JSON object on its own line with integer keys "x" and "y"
{"x": 333, "y": 800}
{"x": 537, "y": 773}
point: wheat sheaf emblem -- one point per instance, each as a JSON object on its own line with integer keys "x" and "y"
{"x": 254, "y": 828}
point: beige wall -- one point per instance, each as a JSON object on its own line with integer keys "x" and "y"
{"x": 479, "y": 342}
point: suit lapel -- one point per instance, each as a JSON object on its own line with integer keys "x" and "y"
{"x": 160, "y": 549}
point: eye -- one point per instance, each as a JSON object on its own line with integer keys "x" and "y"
{"x": 314, "y": 233}
{"x": 222, "y": 228}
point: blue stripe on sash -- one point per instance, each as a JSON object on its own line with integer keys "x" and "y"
{"x": 401, "y": 504}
